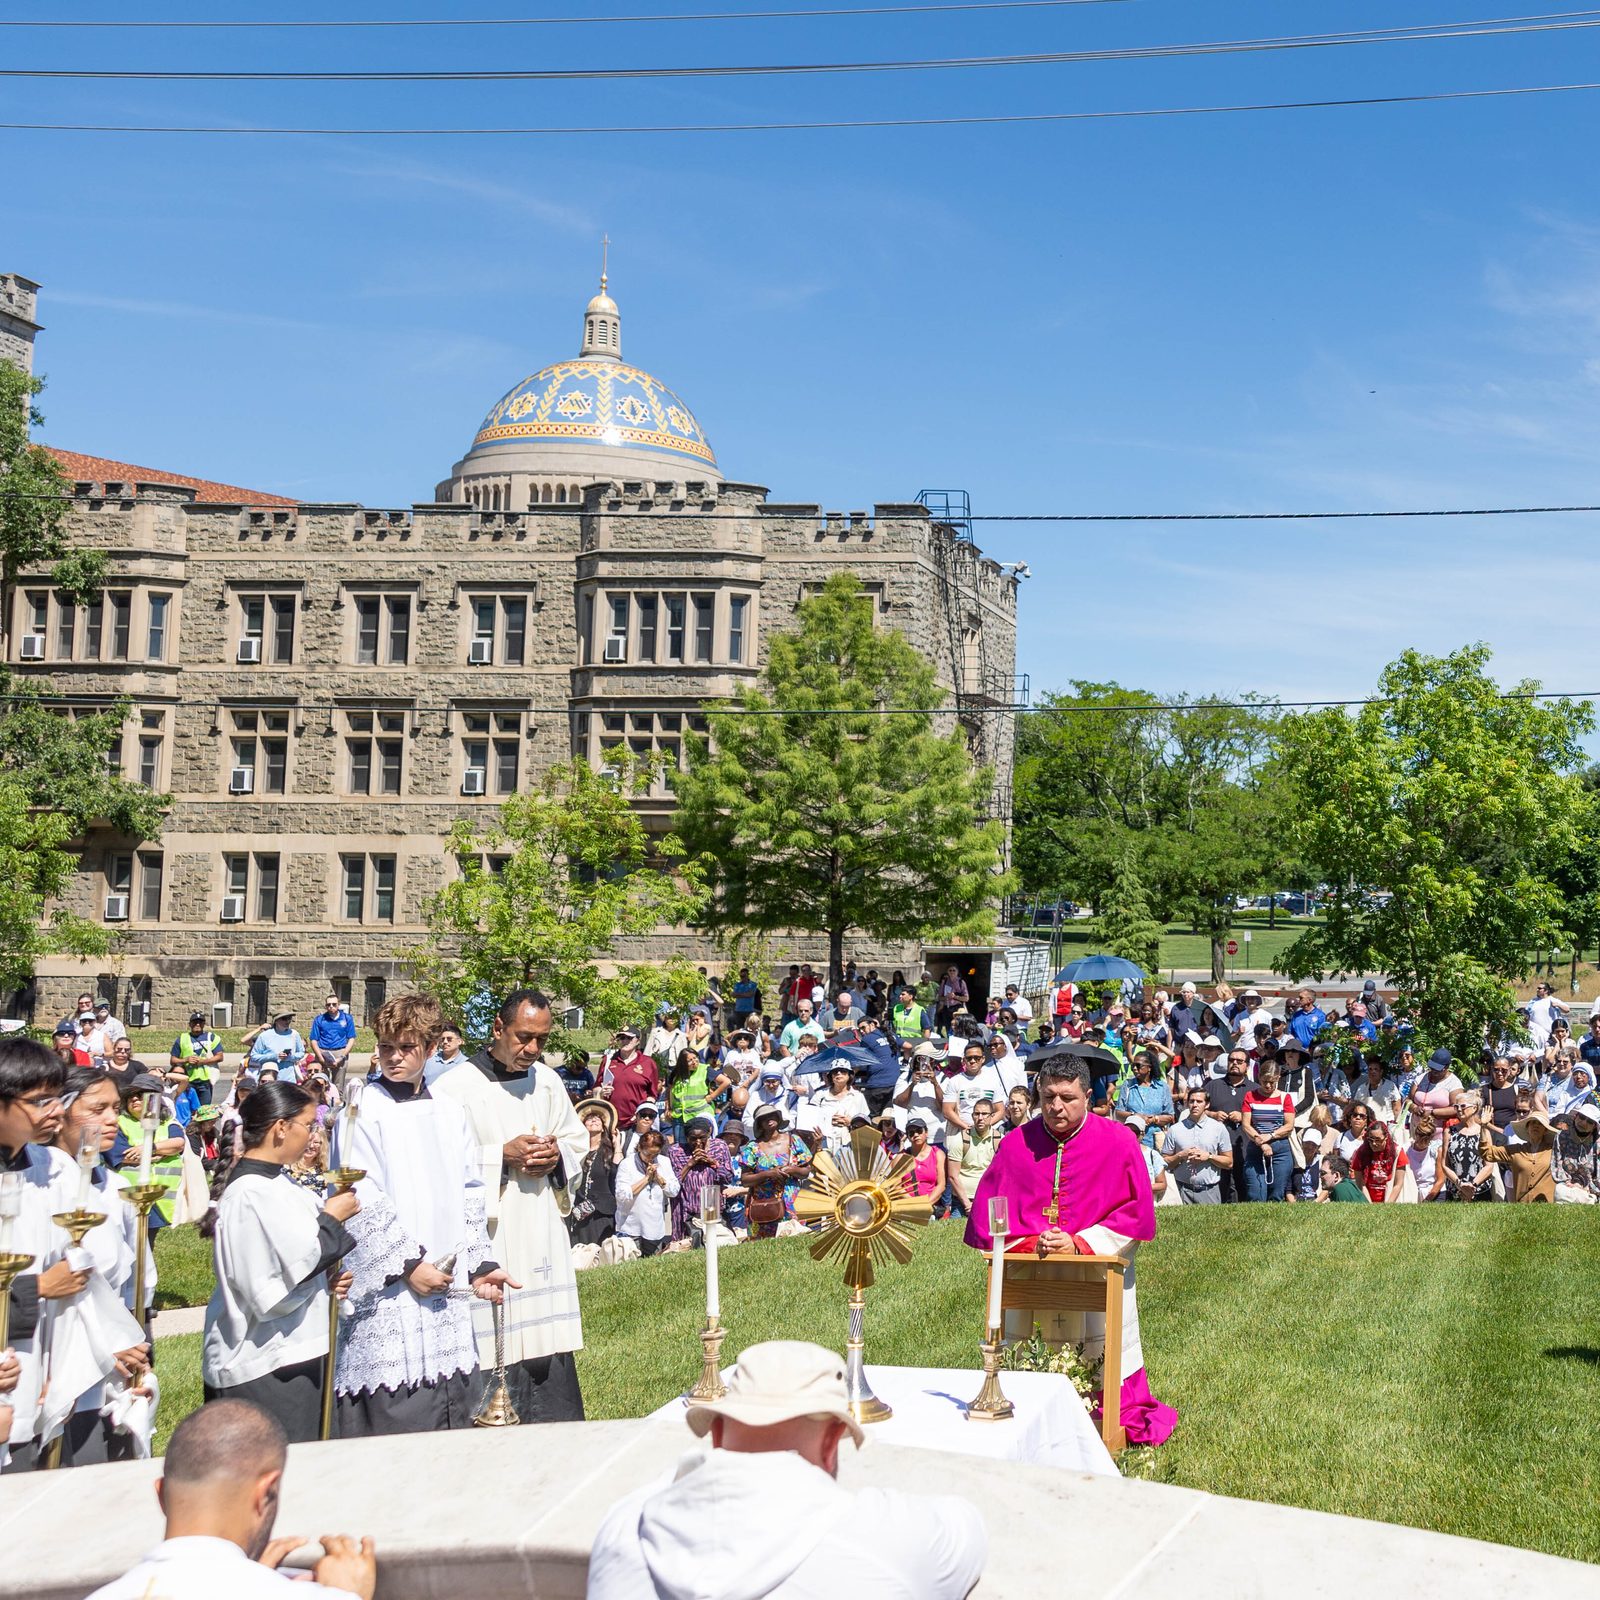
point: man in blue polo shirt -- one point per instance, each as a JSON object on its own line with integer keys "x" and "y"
{"x": 1308, "y": 1019}
{"x": 333, "y": 1035}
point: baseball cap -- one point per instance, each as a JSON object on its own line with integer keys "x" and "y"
{"x": 65, "y": 1030}
{"x": 1138, "y": 1124}
{"x": 102, "y": 1005}
{"x": 206, "y": 1113}
{"x": 777, "y": 1382}
{"x": 197, "y": 1016}
{"x": 647, "y": 1108}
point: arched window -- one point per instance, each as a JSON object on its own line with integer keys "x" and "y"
{"x": 496, "y": 502}
{"x": 548, "y": 496}
{"x": 561, "y": 494}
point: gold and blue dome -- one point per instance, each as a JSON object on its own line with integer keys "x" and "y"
{"x": 598, "y": 400}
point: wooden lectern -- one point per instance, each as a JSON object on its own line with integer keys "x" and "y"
{"x": 1077, "y": 1283}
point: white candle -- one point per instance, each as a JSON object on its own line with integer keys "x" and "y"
{"x": 352, "y": 1109}
{"x": 999, "y": 1225}
{"x": 710, "y": 1215}
{"x": 147, "y": 1152}
{"x": 88, "y": 1159}
{"x": 10, "y": 1206}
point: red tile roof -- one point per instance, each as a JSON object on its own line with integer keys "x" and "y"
{"x": 99, "y": 470}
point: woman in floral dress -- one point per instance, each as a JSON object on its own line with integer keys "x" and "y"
{"x": 771, "y": 1168}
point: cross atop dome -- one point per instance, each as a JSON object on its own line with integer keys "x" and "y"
{"x": 602, "y": 322}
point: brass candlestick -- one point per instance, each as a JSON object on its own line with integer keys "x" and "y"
{"x": 991, "y": 1404}
{"x": 13, "y": 1263}
{"x": 142, "y": 1196}
{"x": 76, "y": 1223}
{"x": 339, "y": 1180}
{"x": 709, "y": 1385}
{"x": 497, "y": 1410}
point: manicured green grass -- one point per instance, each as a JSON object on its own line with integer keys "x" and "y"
{"x": 1184, "y": 950}
{"x": 183, "y": 1267}
{"x": 154, "y": 1043}
{"x": 1434, "y": 1366}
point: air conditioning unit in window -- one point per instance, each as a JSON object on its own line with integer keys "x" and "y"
{"x": 233, "y": 908}
{"x": 616, "y": 648}
{"x": 116, "y": 908}
{"x": 472, "y": 781}
{"x": 242, "y": 780}
{"x": 481, "y": 652}
{"x": 250, "y": 650}
{"x": 33, "y": 647}
{"x": 139, "y": 1014}
{"x": 222, "y": 1013}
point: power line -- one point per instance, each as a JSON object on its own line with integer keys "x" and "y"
{"x": 1488, "y": 28}
{"x": 995, "y": 516}
{"x": 362, "y": 702}
{"x": 806, "y": 127}
{"x": 536, "y": 22}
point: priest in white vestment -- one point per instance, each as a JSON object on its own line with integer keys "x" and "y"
{"x": 531, "y": 1146}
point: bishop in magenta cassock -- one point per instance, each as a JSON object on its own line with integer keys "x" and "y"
{"x": 1077, "y": 1183}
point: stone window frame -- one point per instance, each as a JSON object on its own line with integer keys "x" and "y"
{"x": 646, "y": 732}
{"x": 231, "y": 726}
{"x": 236, "y": 591}
{"x": 252, "y": 886}
{"x": 509, "y": 726}
{"x": 371, "y": 863}
{"x": 151, "y": 731}
{"x": 380, "y": 724}
{"x": 104, "y": 631}
{"x": 464, "y": 600}
{"x": 677, "y": 605}
{"x": 351, "y": 591}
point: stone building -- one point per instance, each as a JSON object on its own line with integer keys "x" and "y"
{"x": 324, "y": 689}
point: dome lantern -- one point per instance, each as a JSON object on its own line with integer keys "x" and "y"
{"x": 602, "y": 322}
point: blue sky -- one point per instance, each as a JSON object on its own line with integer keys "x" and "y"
{"x": 1337, "y": 309}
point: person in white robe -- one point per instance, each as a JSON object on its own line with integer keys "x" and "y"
{"x": 275, "y": 1243}
{"x": 98, "y": 1352}
{"x": 221, "y": 1482}
{"x": 531, "y": 1147}
{"x": 408, "y": 1355}
{"x": 31, "y": 1079}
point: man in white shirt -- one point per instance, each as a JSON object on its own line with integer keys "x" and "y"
{"x": 1542, "y": 1012}
{"x": 1020, "y": 1006}
{"x": 979, "y": 1080}
{"x": 219, "y": 1489}
{"x": 787, "y": 1406}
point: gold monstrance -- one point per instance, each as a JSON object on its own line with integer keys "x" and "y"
{"x": 865, "y": 1212}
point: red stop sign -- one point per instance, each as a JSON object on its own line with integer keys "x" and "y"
{"x": 1233, "y": 947}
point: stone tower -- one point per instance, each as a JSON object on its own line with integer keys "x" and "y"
{"x": 19, "y": 299}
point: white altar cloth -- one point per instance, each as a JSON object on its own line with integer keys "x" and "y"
{"x": 1052, "y": 1427}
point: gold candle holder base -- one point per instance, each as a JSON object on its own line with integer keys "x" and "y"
{"x": 991, "y": 1404}
{"x": 78, "y": 1222}
{"x": 339, "y": 1179}
{"x": 497, "y": 1410}
{"x": 143, "y": 1197}
{"x": 710, "y": 1386}
{"x": 13, "y": 1264}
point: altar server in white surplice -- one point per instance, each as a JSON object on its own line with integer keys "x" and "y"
{"x": 31, "y": 1080}
{"x": 530, "y": 1144}
{"x": 407, "y": 1354}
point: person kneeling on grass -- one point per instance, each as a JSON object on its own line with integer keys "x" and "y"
{"x": 775, "y": 1439}
{"x": 219, "y": 1490}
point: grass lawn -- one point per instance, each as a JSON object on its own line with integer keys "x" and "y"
{"x": 1448, "y": 1382}
{"x": 1182, "y": 949}
{"x": 183, "y": 1267}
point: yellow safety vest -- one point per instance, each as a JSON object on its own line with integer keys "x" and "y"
{"x": 165, "y": 1170}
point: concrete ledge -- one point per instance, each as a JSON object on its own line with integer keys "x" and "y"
{"x": 494, "y": 1515}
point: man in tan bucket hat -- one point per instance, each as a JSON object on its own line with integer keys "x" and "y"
{"x": 761, "y": 1514}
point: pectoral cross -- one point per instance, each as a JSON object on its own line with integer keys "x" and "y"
{"x": 1052, "y": 1212}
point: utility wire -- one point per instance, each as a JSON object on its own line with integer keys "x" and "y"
{"x": 993, "y": 516}
{"x": 1405, "y": 35}
{"x": 402, "y": 705}
{"x": 538, "y": 22}
{"x": 806, "y": 127}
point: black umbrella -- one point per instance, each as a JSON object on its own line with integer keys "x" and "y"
{"x": 852, "y": 1056}
{"x": 1075, "y": 1050}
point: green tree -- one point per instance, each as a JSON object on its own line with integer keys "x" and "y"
{"x": 1124, "y": 926}
{"x": 1186, "y": 784}
{"x": 35, "y": 502}
{"x": 866, "y": 821}
{"x": 1457, "y": 800}
{"x": 545, "y": 889}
